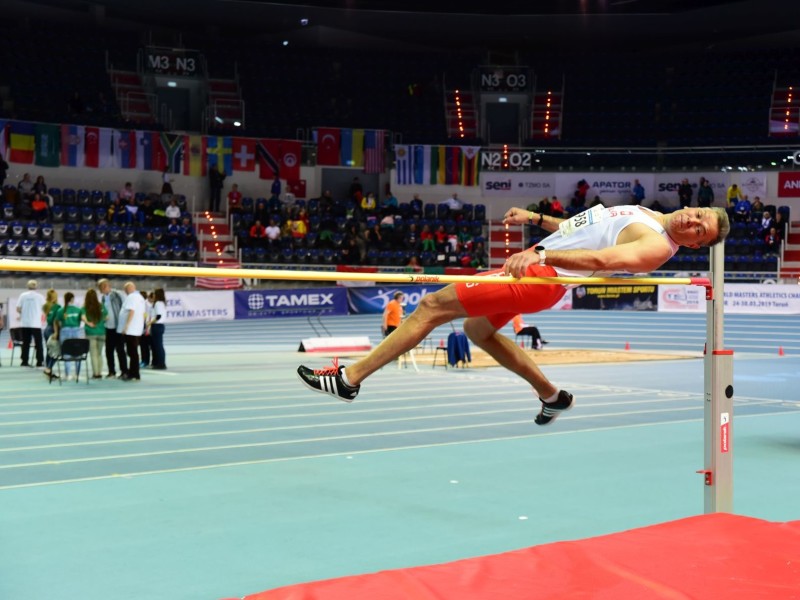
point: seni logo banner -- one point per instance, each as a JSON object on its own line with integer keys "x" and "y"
{"x": 265, "y": 304}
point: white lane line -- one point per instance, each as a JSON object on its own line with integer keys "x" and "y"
{"x": 131, "y": 475}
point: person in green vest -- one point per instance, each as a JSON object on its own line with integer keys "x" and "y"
{"x": 68, "y": 325}
{"x": 50, "y": 310}
{"x": 93, "y": 315}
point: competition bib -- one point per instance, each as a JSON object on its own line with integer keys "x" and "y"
{"x": 582, "y": 219}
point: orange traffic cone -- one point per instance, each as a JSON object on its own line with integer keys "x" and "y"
{"x": 627, "y": 345}
{"x": 780, "y": 351}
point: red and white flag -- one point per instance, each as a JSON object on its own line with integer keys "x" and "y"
{"x": 99, "y": 147}
{"x": 374, "y": 151}
{"x": 244, "y": 154}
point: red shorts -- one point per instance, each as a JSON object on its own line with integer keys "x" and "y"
{"x": 501, "y": 302}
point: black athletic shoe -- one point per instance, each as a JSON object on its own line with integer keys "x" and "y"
{"x": 551, "y": 410}
{"x": 328, "y": 381}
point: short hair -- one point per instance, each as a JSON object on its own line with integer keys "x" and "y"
{"x": 723, "y": 225}
{"x": 398, "y": 295}
{"x": 32, "y": 284}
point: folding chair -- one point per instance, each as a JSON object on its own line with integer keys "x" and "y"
{"x": 16, "y": 341}
{"x": 74, "y": 350}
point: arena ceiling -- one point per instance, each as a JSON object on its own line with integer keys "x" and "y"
{"x": 559, "y": 25}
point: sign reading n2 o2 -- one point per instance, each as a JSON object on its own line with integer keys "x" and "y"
{"x": 498, "y": 160}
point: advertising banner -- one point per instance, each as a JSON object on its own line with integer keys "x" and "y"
{"x": 666, "y": 187}
{"x": 187, "y": 307}
{"x": 505, "y": 184}
{"x": 740, "y": 298}
{"x": 615, "y": 297}
{"x": 611, "y": 188}
{"x": 267, "y": 304}
{"x": 789, "y": 184}
{"x": 373, "y": 300}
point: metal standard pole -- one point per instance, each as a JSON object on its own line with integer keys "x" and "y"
{"x": 718, "y": 429}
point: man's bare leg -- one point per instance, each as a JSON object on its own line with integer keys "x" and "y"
{"x": 508, "y": 354}
{"x": 433, "y": 310}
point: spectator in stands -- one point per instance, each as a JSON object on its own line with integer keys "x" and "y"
{"x": 685, "y": 192}
{"x": 637, "y": 193}
{"x": 126, "y": 193}
{"x": 758, "y": 208}
{"x": 389, "y": 204}
{"x": 773, "y": 240}
{"x": 116, "y": 212}
{"x": 767, "y": 222}
{"x": 102, "y": 251}
{"x": 25, "y": 187}
{"x": 299, "y": 227}
{"x": 173, "y": 211}
{"x": 369, "y": 205}
{"x": 40, "y": 187}
{"x": 149, "y": 246}
{"x": 355, "y": 238}
{"x": 132, "y": 214}
{"x": 440, "y": 238}
{"x": 556, "y": 208}
{"x": 596, "y": 202}
{"x": 68, "y": 326}
{"x": 356, "y": 192}
{"x": 145, "y": 342}
{"x": 582, "y": 190}
{"x": 427, "y": 239}
{"x": 416, "y": 206}
{"x": 40, "y": 208}
{"x": 261, "y": 213}
{"x": 147, "y": 213}
{"x": 734, "y": 195}
{"x": 465, "y": 237}
{"x": 545, "y": 206}
{"x": 375, "y": 238}
{"x": 275, "y": 188}
{"x": 742, "y": 210}
{"x": 257, "y": 235}
{"x": 576, "y": 204}
{"x": 480, "y": 259}
{"x": 779, "y": 222}
{"x": 75, "y": 104}
{"x": 454, "y": 204}
{"x": 235, "y": 200}
{"x": 216, "y": 181}
{"x": 166, "y": 182}
{"x": 705, "y": 194}
{"x": 94, "y": 315}
{"x": 272, "y": 233}
{"x": 173, "y": 233}
{"x": 112, "y": 300}
{"x": 274, "y": 206}
{"x": 412, "y": 241}
{"x": 187, "y": 231}
{"x": 3, "y": 171}
{"x": 30, "y": 307}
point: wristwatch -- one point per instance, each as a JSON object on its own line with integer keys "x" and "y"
{"x": 542, "y": 255}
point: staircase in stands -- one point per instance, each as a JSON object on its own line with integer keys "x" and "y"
{"x": 216, "y": 248}
{"x": 225, "y": 104}
{"x": 135, "y": 103}
{"x": 503, "y": 242}
{"x": 461, "y": 114}
{"x": 790, "y": 263}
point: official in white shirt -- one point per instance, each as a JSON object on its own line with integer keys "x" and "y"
{"x": 29, "y": 308}
{"x": 131, "y": 326}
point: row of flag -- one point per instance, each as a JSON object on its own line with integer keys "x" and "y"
{"x": 365, "y": 148}
{"x": 49, "y": 145}
{"x": 437, "y": 165}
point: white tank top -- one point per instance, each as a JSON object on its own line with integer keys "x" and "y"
{"x": 598, "y": 228}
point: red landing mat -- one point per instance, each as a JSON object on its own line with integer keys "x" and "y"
{"x": 715, "y": 557}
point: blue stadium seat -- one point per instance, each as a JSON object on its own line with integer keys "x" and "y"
{"x": 12, "y": 247}
{"x": 57, "y": 213}
{"x": 74, "y": 250}
{"x": 119, "y": 251}
{"x": 26, "y": 247}
{"x": 56, "y": 249}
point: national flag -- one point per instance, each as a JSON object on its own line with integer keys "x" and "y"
{"x": 404, "y": 165}
{"x": 328, "y": 146}
{"x": 290, "y": 152}
{"x": 21, "y": 142}
{"x": 195, "y": 161}
{"x": 374, "y": 151}
{"x": 351, "y": 145}
{"x": 3, "y": 138}
{"x": 48, "y": 145}
{"x": 150, "y": 156}
{"x": 244, "y": 154}
{"x": 220, "y": 154}
{"x": 173, "y": 151}
{"x": 72, "y": 142}
{"x": 125, "y": 149}
{"x": 99, "y": 146}
{"x": 269, "y": 158}
{"x": 452, "y": 165}
{"x": 469, "y": 165}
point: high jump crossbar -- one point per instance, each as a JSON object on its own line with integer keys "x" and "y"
{"x": 138, "y": 270}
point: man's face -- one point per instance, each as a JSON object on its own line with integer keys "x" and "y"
{"x": 693, "y": 227}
